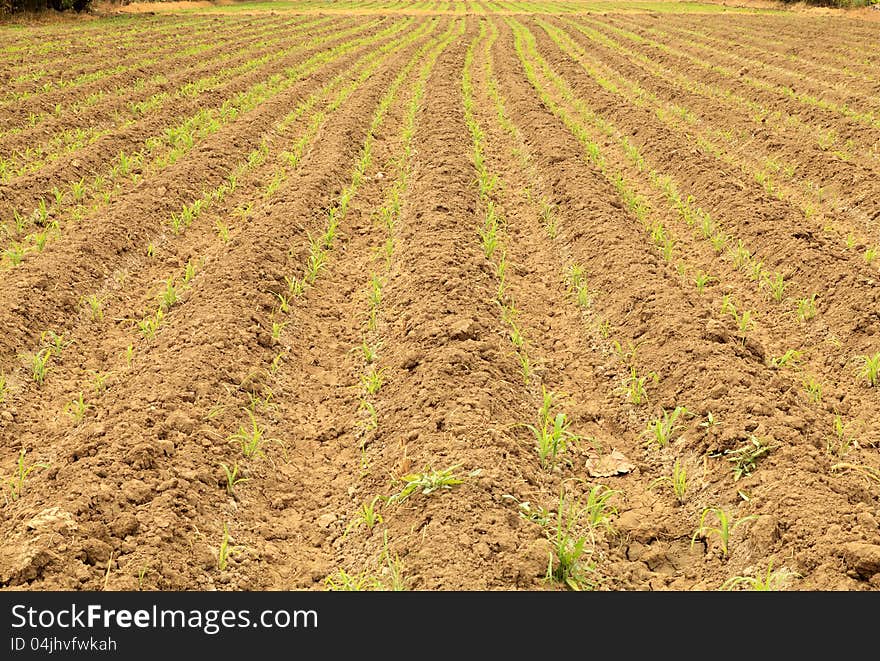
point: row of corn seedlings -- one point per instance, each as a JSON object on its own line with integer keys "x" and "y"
{"x": 58, "y": 145}
{"x": 161, "y": 151}
{"x": 807, "y": 198}
{"x": 386, "y": 571}
{"x": 251, "y": 436}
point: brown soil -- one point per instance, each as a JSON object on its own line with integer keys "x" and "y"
{"x": 130, "y": 492}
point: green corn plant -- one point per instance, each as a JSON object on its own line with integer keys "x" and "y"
{"x": 372, "y": 381}
{"x": 769, "y": 581}
{"x": 42, "y": 213}
{"x": 40, "y": 364}
{"x": 129, "y": 354}
{"x": 233, "y": 477}
{"x": 548, "y": 218}
{"x": 15, "y": 253}
{"x": 678, "y": 482}
{"x": 572, "y": 546}
{"x": 369, "y": 352}
{"x": 342, "y": 581}
{"x": 578, "y": 283}
{"x": 597, "y": 508}
{"x": 4, "y": 388}
{"x": 791, "y": 358}
{"x": 149, "y": 325}
{"x": 635, "y": 386}
{"x": 284, "y": 303}
{"x": 226, "y": 551}
{"x": 95, "y": 305}
{"x": 776, "y": 285}
{"x": 78, "y": 190}
{"x": 525, "y": 365}
{"x": 100, "y": 382}
{"x": 368, "y": 515}
{"x": 660, "y": 429}
{"x": 169, "y": 295}
{"x": 393, "y": 568}
{"x": 806, "y": 308}
{"x": 58, "y": 195}
{"x": 426, "y": 482}
{"x": 251, "y": 439}
{"x": 222, "y": 231}
{"x": 277, "y": 329}
{"x": 870, "y": 369}
{"x": 702, "y": 279}
{"x": 189, "y": 272}
{"x": 745, "y": 459}
{"x": 40, "y": 239}
{"x": 813, "y": 388}
{"x": 77, "y": 409}
{"x": 151, "y": 250}
{"x": 722, "y": 531}
{"x": 870, "y": 255}
{"x": 843, "y": 440}
{"x": 295, "y": 287}
{"x": 15, "y": 484}
{"x": 55, "y": 340}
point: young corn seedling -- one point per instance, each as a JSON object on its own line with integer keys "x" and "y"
{"x": 635, "y": 386}
{"x": 578, "y": 283}
{"x": 702, "y": 279}
{"x": 226, "y": 551}
{"x": 295, "y": 287}
{"x": 169, "y": 295}
{"x": 843, "y": 440}
{"x": 552, "y": 433}
{"x": 393, "y": 567}
{"x": 870, "y": 255}
{"x": 100, "y": 382}
{"x": 791, "y": 358}
{"x": 660, "y": 429}
{"x": 806, "y": 308}
{"x": 813, "y": 388}
{"x": 222, "y": 231}
{"x": 745, "y": 459}
{"x": 678, "y": 482}
{"x": 770, "y": 581}
{"x": 597, "y": 507}
{"x": 4, "y": 386}
{"x": 189, "y": 272}
{"x": 368, "y": 515}
{"x": 40, "y": 364}
{"x": 721, "y": 531}
{"x": 95, "y": 306}
{"x": 372, "y": 381}
{"x": 548, "y": 218}
{"x": 22, "y": 472}
{"x": 525, "y": 365}
{"x": 149, "y": 325}
{"x": 55, "y": 340}
{"x": 776, "y": 285}
{"x": 249, "y": 439}
{"x": 78, "y": 190}
{"x": 233, "y": 477}
{"x": 572, "y": 546}
{"x": 870, "y": 369}
{"x": 77, "y": 409}
{"x": 277, "y": 329}
{"x": 370, "y": 352}
{"x": 342, "y": 581}
{"x": 15, "y": 253}
{"x": 426, "y": 482}
{"x": 284, "y": 303}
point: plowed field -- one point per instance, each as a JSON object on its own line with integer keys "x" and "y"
{"x": 440, "y": 296}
